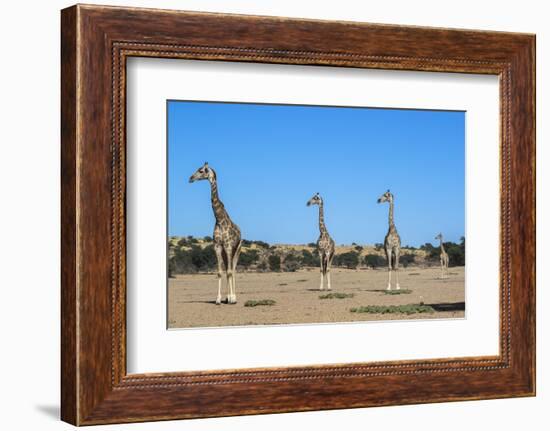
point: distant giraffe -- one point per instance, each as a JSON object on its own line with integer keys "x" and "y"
{"x": 227, "y": 236}
{"x": 325, "y": 244}
{"x": 392, "y": 242}
{"x": 443, "y": 257}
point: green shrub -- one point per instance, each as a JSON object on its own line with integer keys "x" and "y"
{"x": 181, "y": 263}
{"x": 248, "y": 243}
{"x": 309, "y": 258}
{"x": 374, "y": 261}
{"x": 274, "y": 262}
{"x": 406, "y": 259}
{"x": 203, "y": 258}
{"x": 397, "y": 292}
{"x": 348, "y": 260}
{"x": 248, "y": 258}
{"x": 456, "y": 252}
{"x": 393, "y": 309}
{"x": 336, "y": 295}
{"x": 255, "y": 303}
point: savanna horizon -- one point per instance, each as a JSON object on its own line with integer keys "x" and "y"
{"x": 256, "y": 255}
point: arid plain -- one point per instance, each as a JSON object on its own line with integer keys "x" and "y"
{"x": 295, "y": 297}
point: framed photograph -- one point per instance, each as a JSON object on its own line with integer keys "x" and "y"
{"x": 266, "y": 215}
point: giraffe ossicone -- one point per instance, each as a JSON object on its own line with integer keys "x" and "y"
{"x": 227, "y": 235}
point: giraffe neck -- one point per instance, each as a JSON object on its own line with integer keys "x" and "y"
{"x": 390, "y": 215}
{"x": 217, "y": 205}
{"x": 441, "y": 245}
{"x": 322, "y": 226}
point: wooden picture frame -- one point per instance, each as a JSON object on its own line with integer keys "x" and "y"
{"x": 95, "y": 43}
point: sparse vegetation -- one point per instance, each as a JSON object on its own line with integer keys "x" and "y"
{"x": 455, "y": 251}
{"x": 274, "y": 262}
{"x": 393, "y": 309}
{"x": 261, "y": 302}
{"x": 336, "y": 295}
{"x": 248, "y": 258}
{"x": 406, "y": 259}
{"x": 309, "y": 258}
{"x": 374, "y": 261}
{"x": 292, "y": 262}
{"x": 189, "y": 255}
{"x": 397, "y": 292}
{"x": 348, "y": 260}
{"x": 259, "y": 244}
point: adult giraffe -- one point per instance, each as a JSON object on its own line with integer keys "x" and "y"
{"x": 325, "y": 244}
{"x": 443, "y": 257}
{"x": 227, "y": 236}
{"x": 392, "y": 242}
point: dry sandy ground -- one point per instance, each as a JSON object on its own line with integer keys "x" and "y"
{"x": 191, "y": 298}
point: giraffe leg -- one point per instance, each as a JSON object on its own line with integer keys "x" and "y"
{"x": 321, "y": 287}
{"x": 397, "y": 279}
{"x": 233, "y": 280}
{"x": 219, "y": 257}
{"x": 229, "y": 298}
{"x": 229, "y": 274}
{"x": 396, "y": 267}
{"x": 329, "y": 264}
{"x": 389, "y": 257}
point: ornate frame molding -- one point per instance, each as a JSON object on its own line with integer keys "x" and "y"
{"x": 96, "y": 41}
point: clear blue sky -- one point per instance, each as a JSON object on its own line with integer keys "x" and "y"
{"x": 270, "y": 159}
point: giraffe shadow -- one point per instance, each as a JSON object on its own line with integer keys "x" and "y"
{"x": 449, "y": 306}
{"x": 198, "y": 302}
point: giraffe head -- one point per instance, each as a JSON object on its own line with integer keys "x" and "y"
{"x": 315, "y": 200}
{"x": 439, "y": 236}
{"x": 386, "y": 197}
{"x": 203, "y": 173}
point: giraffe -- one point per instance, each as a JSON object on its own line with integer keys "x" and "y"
{"x": 443, "y": 257}
{"x": 392, "y": 242}
{"x": 325, "y": 244}
{"x": 227, "y": 236}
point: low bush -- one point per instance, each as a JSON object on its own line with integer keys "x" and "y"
{"x": 261, "y": 302}
{"x": 394, "y": 309}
